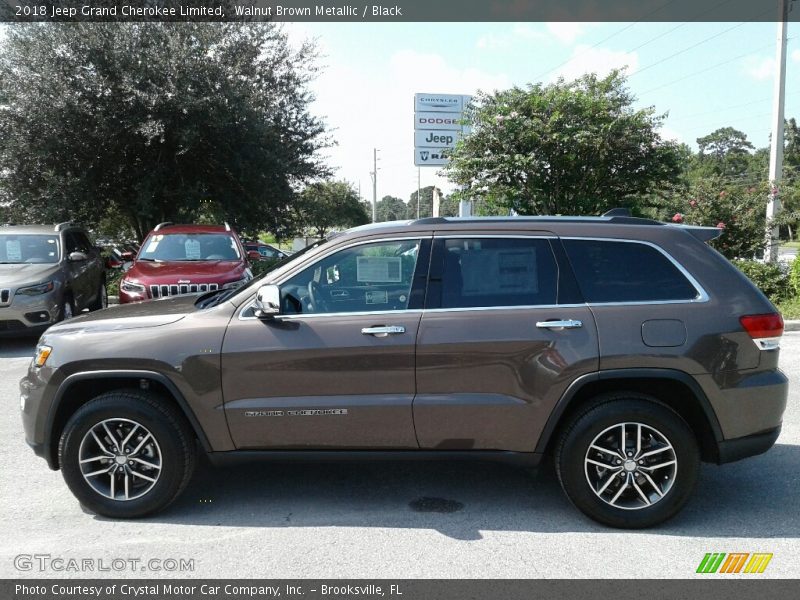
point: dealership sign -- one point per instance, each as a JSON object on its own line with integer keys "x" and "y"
{"x": 431, "y": 138}
{"x": 438, "y": 126}
{"x": 430, "y": 157}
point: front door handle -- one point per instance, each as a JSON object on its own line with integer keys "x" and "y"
{"x": 565, "y": 324}
{"x": 383, "y": 330}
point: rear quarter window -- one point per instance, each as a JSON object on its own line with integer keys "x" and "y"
{"x": 615, "y": 271}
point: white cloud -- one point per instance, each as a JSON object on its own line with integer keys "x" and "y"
{"x": 759, "y": 68}
{"x": 670, "y": 134}
{"x": 567, "y": 32}
{"x": 520, "y": 33}
{"x": 586, "y": 59}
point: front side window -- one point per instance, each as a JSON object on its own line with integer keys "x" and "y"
{"x": 186, "y": 247}
{"x": 364, "y": 278}
{"x": 18, "y": 249}
{"x": 498, "y": 272}
{"x": 614, "y": 271}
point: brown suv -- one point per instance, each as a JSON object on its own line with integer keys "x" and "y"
{"x": 626, "y": 349}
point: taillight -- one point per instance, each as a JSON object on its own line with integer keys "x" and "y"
{"x": 765, "y": 330}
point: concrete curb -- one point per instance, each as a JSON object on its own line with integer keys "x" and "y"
{"x": 793, "y": 325}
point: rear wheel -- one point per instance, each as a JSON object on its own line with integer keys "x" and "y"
{"x": 628, "y": 461}
{"x": 125, "y": 454}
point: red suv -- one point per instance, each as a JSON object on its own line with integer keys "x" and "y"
{"x": 185, "y": 259}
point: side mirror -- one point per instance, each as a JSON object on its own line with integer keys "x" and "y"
{"x": 268, "y": 301}
{"x": 127, "y": 255}
{"x": 77, "y": 257}
{"x": 253, "y": 255}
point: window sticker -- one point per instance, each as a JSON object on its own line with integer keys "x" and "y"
{"x": 379, "y": 269}
{"x": 154, "y": 241}
{"x": 377, "y": 297}
{"x": 13, "y": 250}
{"x": 504, "y": 271}
{"x": 192, "y": 249}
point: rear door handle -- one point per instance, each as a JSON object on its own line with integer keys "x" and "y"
{"x": 565, "y": 324}
{"x": 383, "y": 330}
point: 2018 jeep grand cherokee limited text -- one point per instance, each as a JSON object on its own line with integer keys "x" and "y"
{"x": 628, "y": 350}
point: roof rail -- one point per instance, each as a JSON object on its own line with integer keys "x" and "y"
{"x": 164, "y": 224}
{"x": 227, "y": 227}
{"x": 429, "y": 221}
{"x": 63, "y": 226}
{"x": 618, "y": 212}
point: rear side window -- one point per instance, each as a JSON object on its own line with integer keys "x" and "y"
{"x": 487, "y": 272}
{"x": 611, "y": 271}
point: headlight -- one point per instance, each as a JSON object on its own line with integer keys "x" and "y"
{"x": 42, "y": 354}
{"x": 236, "y": 284}
{"x": 130, "y": 287}
{"x": 36, "y": 290}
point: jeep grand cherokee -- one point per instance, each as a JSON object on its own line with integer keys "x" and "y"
{"x": 627, "y": 350}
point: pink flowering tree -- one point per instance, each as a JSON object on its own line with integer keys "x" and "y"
{"x": 738, "y": 210}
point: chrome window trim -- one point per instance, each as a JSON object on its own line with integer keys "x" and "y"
{"x": 249, "y": 303}
{"x": 702, "y": 295}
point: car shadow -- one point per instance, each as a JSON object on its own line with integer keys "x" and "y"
{"x": 755, "y": 498}
{"x": 22, "y": 347}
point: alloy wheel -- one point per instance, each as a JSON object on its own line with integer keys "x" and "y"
{"x": 120, "y": 459}
{"x": 631, "y": 466}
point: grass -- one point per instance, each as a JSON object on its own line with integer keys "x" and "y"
{"x": 791, "y": 244}
{"x": 790, "y": 309}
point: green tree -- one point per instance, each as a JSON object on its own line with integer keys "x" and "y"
{"x": 725, "y": 152}
{"x": 156, "y": 122}
{"x": 425, "y": 206}
{"x": 574, "y": 147}
{"x": 390, "y": 208}
{"x": 329, "y": 204}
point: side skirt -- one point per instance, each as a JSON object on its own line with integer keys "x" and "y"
{"x": 521, "y": 459}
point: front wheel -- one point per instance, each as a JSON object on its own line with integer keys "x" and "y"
{"x": 628, "y": 461}
{"x": 126, "y": 454}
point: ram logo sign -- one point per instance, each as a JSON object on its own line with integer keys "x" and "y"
{"x": 734, "y": 562}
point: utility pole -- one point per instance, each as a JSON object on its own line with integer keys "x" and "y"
{"x": 374, "y": 175}
{"x": 776, "y": 147}
{"x": 418, "y": 188}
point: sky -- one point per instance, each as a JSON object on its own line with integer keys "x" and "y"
{"x": 703, "y": 75}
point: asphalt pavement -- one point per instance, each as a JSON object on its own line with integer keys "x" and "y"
{"x": 388, "y": 520}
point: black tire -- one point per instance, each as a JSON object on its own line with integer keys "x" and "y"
{"x": 175, "y": 442}
{"x": 603, "y": 416}
{"x": 101, "y": 298}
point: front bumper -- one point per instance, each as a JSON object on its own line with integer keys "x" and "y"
{"x": 29, "y": 314}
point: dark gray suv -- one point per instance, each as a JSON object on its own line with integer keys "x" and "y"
{"x": 628, "y": 350}
{"x": 48, "y": 273}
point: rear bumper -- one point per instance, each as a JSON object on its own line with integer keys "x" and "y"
{"x": 749, "y": 445}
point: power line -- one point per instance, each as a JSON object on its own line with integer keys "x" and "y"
{"x": 711, "y": 68}
{"x": 700, "y": 43}
{"x": 605, "y": 39}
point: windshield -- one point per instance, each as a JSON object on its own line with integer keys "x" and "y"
{"x": 189, "y": 247}
{"x": 26, "y": 248}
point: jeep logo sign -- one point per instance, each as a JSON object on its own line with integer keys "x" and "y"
{"x": 436, "y": 139}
